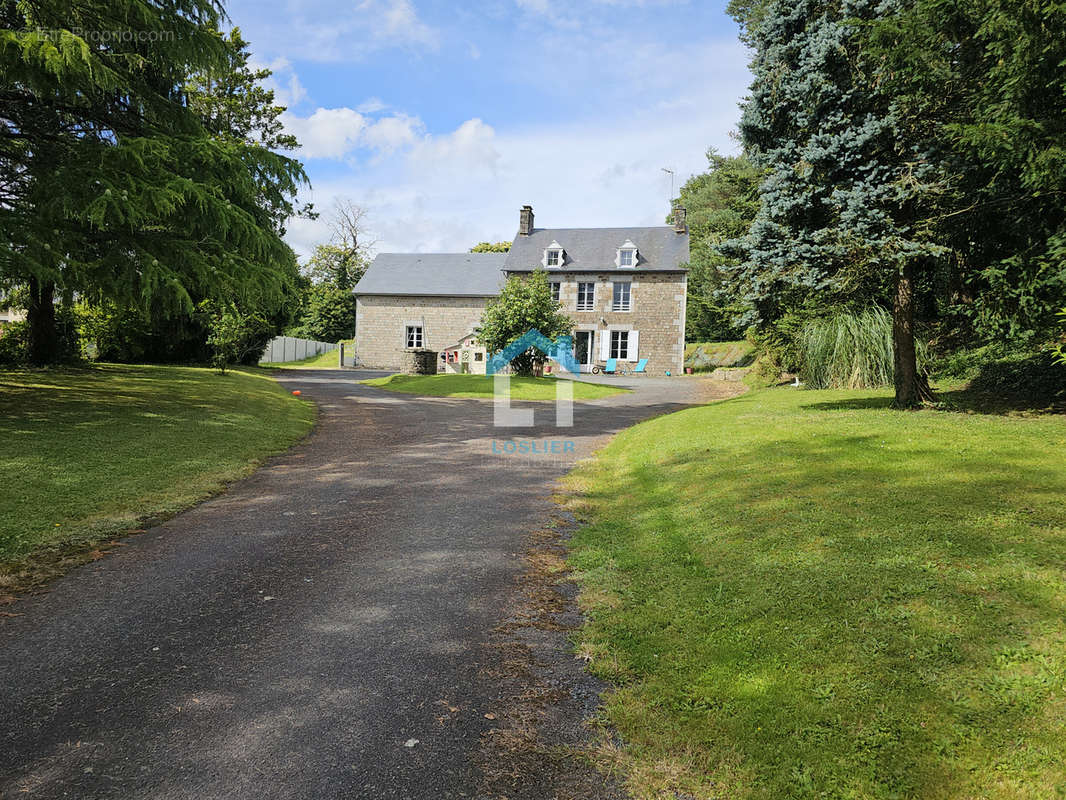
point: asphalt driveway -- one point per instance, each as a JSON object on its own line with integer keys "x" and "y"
{"x": 299, "y": 636}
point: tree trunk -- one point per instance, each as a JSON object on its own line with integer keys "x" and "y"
{"x": 41, "y": 317}
{"x": 912, "y": 387}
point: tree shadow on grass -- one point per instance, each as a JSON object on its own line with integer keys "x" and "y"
{"x": 851, "y": 404}
{"x": 973, "y": 401}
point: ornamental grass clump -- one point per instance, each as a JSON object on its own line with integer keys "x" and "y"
{"x": 850, "y": 350}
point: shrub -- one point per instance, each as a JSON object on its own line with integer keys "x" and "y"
{"x": 850, "y": 350}
{"x": 1033, "y": 378}
{"x": 14, "y": 340}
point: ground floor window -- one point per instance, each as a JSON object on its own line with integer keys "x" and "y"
{"x": 414, "y": 336}
{"x": 620, "y": 345}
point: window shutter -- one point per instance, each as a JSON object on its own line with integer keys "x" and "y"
{"x": 634, "y": 337}
{"x": 605, "y": 345}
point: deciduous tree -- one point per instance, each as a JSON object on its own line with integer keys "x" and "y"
{"x": 524, "y": 304}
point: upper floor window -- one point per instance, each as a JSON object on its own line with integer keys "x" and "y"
{"x": 621, "y": 301}
{"x": 554, "y": 255}
{"x": 414, "y": 336}
{"x": 555, "y": 290}
{"x": 627, "y": 255}
{"x": 586, "y": 297}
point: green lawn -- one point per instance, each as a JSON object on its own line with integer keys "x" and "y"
{"x": 805, "y": 594}
{"x": 480, "y": 386}
{"x": 89, "y": 452}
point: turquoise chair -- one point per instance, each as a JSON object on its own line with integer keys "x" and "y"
{"x": 612, "y": 366}
{"x": 640, "y": 368}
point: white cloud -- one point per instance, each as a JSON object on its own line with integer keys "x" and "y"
{"x": 327, "y": 133}
{"x": 337, "y": 133}
{"x": 469, "y": 148}
{"x": 371, "y": 105}
{"x": 338, "y": 30}
{"x": 397, "y": 22}
{"x": 389, "y": 134}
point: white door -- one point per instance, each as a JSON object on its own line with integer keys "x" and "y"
{"x": 583, "y": 349}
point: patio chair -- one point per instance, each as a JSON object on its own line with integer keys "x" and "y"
{"x": 612, "y": 366}
{"x": 641, "y": 367}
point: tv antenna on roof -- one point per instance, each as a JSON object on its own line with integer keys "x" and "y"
{"x": 671, "y": 173}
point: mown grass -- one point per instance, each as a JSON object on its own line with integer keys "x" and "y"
{"x": 481, "y": 386}
{"x": 805, "y": 594}
{"x": 90, "y": 452}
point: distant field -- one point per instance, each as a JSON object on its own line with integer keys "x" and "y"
{"x": 482, "y": 386}
{"x": 88, "y": 453}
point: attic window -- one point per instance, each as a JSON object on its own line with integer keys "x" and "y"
{"x": 627, "y": 255}
{"x": 554, "y": 255}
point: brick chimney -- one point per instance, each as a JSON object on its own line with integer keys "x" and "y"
{"x": 680, "y": 219}
{"x": 525, "y": 221}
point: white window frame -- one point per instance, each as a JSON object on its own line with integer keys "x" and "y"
{"x": 627, "y": 247}
{"x": 557, "y": 289}
{"x": 606, "y": 341}
{"x": 557, "y": 250}
{"x": 615, "y": 304}
{"x": 590, "y": 304}
{"x": 616, "y": 350}
{"x": 414, "y": 333}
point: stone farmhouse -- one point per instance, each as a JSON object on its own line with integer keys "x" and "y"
{"x": 624, "y": 288}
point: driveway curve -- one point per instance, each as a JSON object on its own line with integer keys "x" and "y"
{"x": 298, "y": 636}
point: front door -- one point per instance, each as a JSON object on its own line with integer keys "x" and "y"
{"x": 583, "y": 349}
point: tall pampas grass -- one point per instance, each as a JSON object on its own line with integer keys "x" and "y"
{"x": 850, "y": 350}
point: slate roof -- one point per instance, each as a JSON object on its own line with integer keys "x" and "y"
{"x": 441, "y": 274}
{"x": 595, "y": 249}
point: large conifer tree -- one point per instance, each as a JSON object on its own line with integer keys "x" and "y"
{"x": 839, "y": 206}
{"x": 111, "y": 186}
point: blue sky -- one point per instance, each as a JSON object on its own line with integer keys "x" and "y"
{"x": 441, "y": 119}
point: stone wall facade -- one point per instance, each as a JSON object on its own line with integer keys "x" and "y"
{"x": 382, "y": 320}
{"x": 656, "y": 315}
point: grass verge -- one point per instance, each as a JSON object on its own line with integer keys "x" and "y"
{"x": 806, "y": 594}
{"x": 481, "y": 386}
{"x": 90, "y": 453}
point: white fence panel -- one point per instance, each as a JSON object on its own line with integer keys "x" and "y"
{"x": 290, "y": 348}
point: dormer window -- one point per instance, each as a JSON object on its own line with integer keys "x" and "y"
{"x": 554, "y": 255}
{"x": 627, "y": 255}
